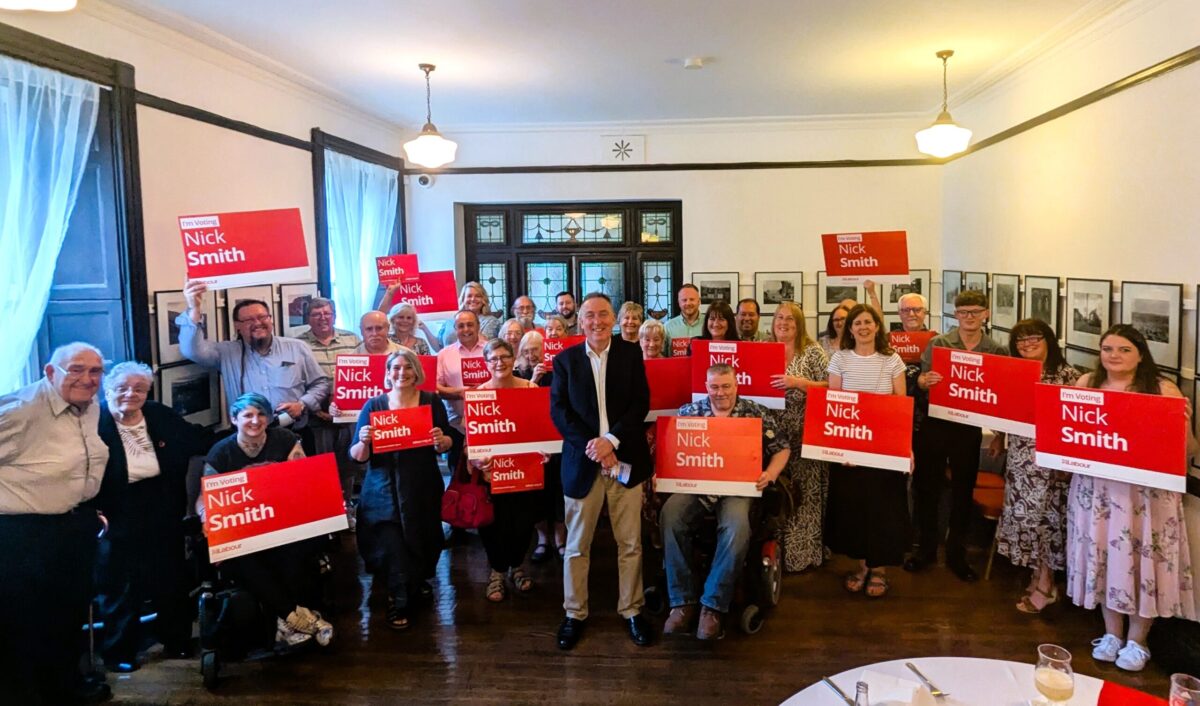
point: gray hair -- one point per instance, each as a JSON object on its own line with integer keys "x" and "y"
{"x": 721, "y": 369}
{"x": 397, "y": 309}
{"x": 68, "y": 351}
{"x": 414, "y": 362}
{"x": 918, "y": 295}
{"x": 319, "y": 302}
{"x": 512, "y": 322}
{"x": 633, "y": 308}
{"x": 129, "y": 368}
{"x": 651, "y": 325}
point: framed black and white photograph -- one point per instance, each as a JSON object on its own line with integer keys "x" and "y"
{"x": 715, "y": 286}
{"x": 771, "y": 288}
{"x": 168, "y": 305}
{"x": 1005, "y": 301}
{"x": 1041, "y": 301}
{"x": 830, "y": 295}
{"x": 261, "y": 292}
{"x": 1082, "y": 360}
{"x": 977, "y": 281}
{"x": 192, "y": 391}
{"x": 951, "y": 286}
{"x": 1089, "y": 311}
{"x": 293, "y": 307}
{"x": 918, "y": 284}
{"x": 1156, "y": 310}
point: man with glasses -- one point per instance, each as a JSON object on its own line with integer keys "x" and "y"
{"x": 281, "y": 369}
{"x": 942, "y": 443}
{"x": 524, "y": 310}
{"x": 52, "y": 489}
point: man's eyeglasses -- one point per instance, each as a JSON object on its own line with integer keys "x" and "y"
{"x": 78, "y": 371}
{"x": 256, "y": 319}
{"x": 969, "y": 313}
{"x": 912, "y": 310}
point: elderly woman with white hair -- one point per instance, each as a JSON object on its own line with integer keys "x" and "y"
{"x": 405, "y": 322}
{"x": 141, "y": 558}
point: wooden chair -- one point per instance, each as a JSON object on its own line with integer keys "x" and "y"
{"x": 989, "y": 498}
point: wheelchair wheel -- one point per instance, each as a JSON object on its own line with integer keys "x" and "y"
{"x": 655, "y": 603}
{"x": 210, "y": 669}
{"x": 751, "y": 619}
{"x": 772, "y": 573}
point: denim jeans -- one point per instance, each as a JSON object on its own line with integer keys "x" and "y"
{"x": 679, "y": 515}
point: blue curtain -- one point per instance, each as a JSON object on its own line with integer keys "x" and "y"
{"x": 47, "y": 121}
{"x": 360, "y": 208}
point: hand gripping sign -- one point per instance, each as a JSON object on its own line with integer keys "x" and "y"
{"x": 247, "y": 247}
{"x": 271, "y": 505}
{"x": 474, "y": 371}
{"x": 401, "y": 429}
{"x": 393, "y": 269}
{"x": 433, "y": 294}
{"x": 861, "y": 428}
{"x": 356, "y": 379}
{"x": 984, "y": 390}
{"x": 1124, "y": 436}
{"x": 670, "y": 385}
{"x": 708, "y": 455}
{"x": 853, "y": 258}
{"x": 509, "y": 421}
{"x": 753, "y": 364}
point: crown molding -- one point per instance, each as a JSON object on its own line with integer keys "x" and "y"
{"x": 876, "y": 121}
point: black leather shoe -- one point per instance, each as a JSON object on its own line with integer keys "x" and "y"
{"x": 916, "y": 562}
{"x": 640, "y": 631}
{"x": 962, "y": 570}
{"x": 569, "y": 632}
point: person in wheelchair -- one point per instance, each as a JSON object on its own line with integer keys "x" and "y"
{"x": 280, "y": 577}
{"x": 681, "y": 512}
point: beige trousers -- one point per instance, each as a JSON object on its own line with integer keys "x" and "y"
{"x": 625, "y": 513}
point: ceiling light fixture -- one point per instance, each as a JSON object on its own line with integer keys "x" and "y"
{"x": 944, "y": 137}
{"x": 39, "y": 5}
{"x": 429, "y": 149}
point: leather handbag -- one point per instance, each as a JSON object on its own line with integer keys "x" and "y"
{"x": 466, "y": 503}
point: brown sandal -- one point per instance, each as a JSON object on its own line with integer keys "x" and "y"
{"x": 495, "y": 591}
{"x": 854, "y": 582}
{"x": 521, "y": 580}
{"x": 877, "y": 585}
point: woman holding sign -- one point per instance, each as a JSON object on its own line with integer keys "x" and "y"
{"x": 1127, "y": 545}
{"x": 807, "y": 366}
{"x": 1033, "y": 527}
{"x": 532, "y": 367}
{"x": 399, "y": 508}
{"x": 556, "y": 327}
{"x": 720, "y": 324}
{"x": 404, "y": 321}
{"x": 868, "y": 507}
{"x": 651, "y": 336}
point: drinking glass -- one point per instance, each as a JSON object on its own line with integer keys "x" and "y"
{"x": 1185, "y": 690}
{"x": 1053, "y": 675}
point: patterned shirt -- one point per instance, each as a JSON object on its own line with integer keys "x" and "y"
{"x": 343, "y": 342}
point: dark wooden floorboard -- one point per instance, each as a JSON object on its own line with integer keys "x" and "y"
{"x": 465, "y": 650}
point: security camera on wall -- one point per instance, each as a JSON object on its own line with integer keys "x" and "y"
{"x": 425, "y": 181}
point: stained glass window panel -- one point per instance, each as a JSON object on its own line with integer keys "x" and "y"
{"x": 549, "y": 228}
{"x": 544, "y": 280}
{"x": 489, "y": 228}
{"x": 607, "y": 277}
{"x": 657, "y": 288}
{"x": 494, "y": 278}
{"x": 656, "y": 226}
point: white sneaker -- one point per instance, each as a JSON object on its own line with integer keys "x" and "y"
{"x": 310, "y": 623}
{"x": 286, "y": 635}
{"x": 1107, "y": 647}
{"x": 1133, "y": 657}
{"x": 324, "y": 630}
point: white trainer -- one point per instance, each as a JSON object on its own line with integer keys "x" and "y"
{"x": 1133, "y": 657}
{"x": 286, "y": 635}
{"x": 1106, "y": 648}
{"x": 311, "y": 623}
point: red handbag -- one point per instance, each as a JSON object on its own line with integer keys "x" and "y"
{"x": 466, "y": 503}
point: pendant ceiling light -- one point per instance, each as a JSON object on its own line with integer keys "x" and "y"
{"x": 38, "y": 5}
{"x": 430, "y": 149}
{"x": 944, "y": 137}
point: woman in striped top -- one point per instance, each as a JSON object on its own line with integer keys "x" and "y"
{"x": 868, "y": 507}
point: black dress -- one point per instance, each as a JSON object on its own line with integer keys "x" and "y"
{"x": 550, "y": 497}
{"x": 400, "y": 508}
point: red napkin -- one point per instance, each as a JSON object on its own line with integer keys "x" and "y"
{"x": 1116, "y": 695}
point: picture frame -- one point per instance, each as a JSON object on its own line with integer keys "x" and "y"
{"x": 1089, "y": 312}
{"x": 771, "y": 288}
{"x": 1083, "y": 360}
{"x": 262, "y": 292}
{"x": 951, "y": 286}
{"x": 975, "y": 280}
{"x": 293, "y": 307}
{"x": 918, "y": 284}
{"x": 1005, "y": 301}
{"x": 717, "y": 285}
{"x": 829, "y": 295}
{"x": 168, "y": 305}
{"x": 1041, "y": 301}
{"x": 1156, "y": 309}
{"x": 193, "y": 392}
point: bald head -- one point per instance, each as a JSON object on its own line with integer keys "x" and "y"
{"x": 374, "y": 329}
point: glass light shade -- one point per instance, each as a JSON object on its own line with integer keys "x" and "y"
{"x": 430, "y": 149}
{"x": 39, "y": 5}
{"x": 943, "y": 138}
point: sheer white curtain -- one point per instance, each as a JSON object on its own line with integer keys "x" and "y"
{"x": 47, "y": 121}
{"x": 360, "y": 208}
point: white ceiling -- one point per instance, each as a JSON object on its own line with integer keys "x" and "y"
{"x": 516, "y": 62}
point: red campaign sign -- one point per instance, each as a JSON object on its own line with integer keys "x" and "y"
{"x": 670, "y": 385}
{"x": 433, "y": 293}
{"x": 509, "y": 421}
{"x": 553, "y": 346}
{"x": 517, "y": 473}
{"x": 753, "y": 362}
{"x": 861, "y": 428}
{"x": 247, "y": 247}
{"x": 401, "y": 429}
{"x": 394, "y": 269}
{"x": 853, "y": 258}
{"x": 708, "y": 455}
{"x": 1112, "y": 694}
{"x": 680, "y": 347}
{"x": 271, "y": 505}
{"x": 474, "y": 371}
{"x": 910, "y": 345}
{"x": 356, "y": 379}
{"x": 1104, "y": 433}
{"x": 429, "y": 365}
{"x": 984, "y": 390}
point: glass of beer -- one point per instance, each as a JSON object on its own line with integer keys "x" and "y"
{"x": 1185, "y": 690}
{"x": 1053, "y": 675}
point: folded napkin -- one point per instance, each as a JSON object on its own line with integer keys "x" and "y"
{"x": 886, "y": 690}
{"x": 1116, "y": 695}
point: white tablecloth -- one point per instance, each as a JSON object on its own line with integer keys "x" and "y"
{"x": 970, "y": 681}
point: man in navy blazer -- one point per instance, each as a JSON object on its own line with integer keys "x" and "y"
{"x": 599, "y": 400}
